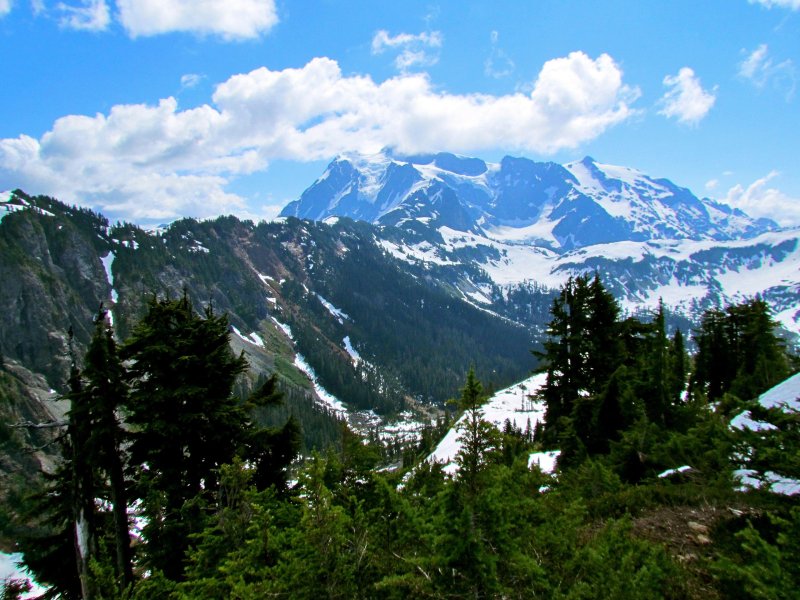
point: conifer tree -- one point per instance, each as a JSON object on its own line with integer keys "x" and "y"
{"x": 105, "y": 391}
{"x": 479, "y": 439}
{"x": 738, "y": 352}
{"x": 186, "y": 421}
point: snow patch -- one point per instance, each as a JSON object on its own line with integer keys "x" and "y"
{"x": 328, "y": 400}
{"x": 253, "y": 338}
{"x": 337, "y": 314}
{"x": 546, "y": 461}
{"x": 285, "y": 328}
{"x": 675, "y": 471}
{"x": 348, "y": 346}
{"x": 512, "y": 404}
{"x": 10, "y": 570}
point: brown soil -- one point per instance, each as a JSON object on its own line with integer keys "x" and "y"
{"x": 687, "y": 534}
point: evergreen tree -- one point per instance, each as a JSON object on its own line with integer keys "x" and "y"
{"x": 104, "y": 392}
{"x": 585, "y": 347}
{"x": 479, "y": 439}
{"x": 186, "y": 422}
{"x": 738, "y": 352}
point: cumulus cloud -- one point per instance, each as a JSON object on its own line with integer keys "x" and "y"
{"x": 760, "y": 200}
{"x": 686, "y": 100}
{"x": 790, "y": 4}
{"x": 5, "y": 7}
{"x": 760, "y": 69}
{"x": 230, "y": 19}
{"x": 91, "y": 15}
{"x": 498, "y": 64}
{"x": 147, "y": 161}
{"x": 414, "y": 50}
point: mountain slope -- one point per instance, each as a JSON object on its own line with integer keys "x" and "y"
{"x": 496, "y": 230}
{"x": 377, "y": 331}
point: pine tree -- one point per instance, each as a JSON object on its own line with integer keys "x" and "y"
{"x": 479, "y": 439}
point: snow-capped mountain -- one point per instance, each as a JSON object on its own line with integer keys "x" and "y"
{"x": 558, "y": 207}
{"x": 497, "y": 227}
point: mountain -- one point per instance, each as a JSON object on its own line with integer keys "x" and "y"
{"x": 390, "y": 276}
{"x": 558, "y": 207}
{"x": 509, "y": 225}
{"x": 324, "y": 305}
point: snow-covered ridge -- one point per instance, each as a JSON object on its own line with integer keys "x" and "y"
{"x": 575, "y": 205}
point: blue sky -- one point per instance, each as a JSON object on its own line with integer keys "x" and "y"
{"x": 149, "y": 110}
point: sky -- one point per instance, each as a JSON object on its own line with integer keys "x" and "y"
{"x": 151, "y": 110}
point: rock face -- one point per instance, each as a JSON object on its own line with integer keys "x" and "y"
{"x": 53, "y": 281}
{"x": 25, "y": 398}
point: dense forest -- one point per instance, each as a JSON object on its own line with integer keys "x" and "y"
{"x": 645, "y": 502}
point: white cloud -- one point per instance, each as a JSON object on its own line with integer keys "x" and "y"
{"x": 5, "y": 7}
{"x": 760, "y": 200}
{"x": 191, "y": 80}
{"x": 498, "y": 64}
{"x": 712, "y": 184}
{"x": 91, "y": 15}
{"x": 414, "y": 49}
{"x": 156, "y": 162}
{"x": 230, "y": 19}
{"x": 790, "y": 4}
{"x": 687, "y": 101}
{"x": 760, "y": 69}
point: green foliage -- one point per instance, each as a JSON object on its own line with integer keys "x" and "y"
{"x": 761, "y": 562}
{"x": 738, "y": 352}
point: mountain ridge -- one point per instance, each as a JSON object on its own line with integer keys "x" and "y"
{"x": 578, "y": 204}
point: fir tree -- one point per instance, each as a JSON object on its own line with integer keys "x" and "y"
{"x": 186, "y": 422}
{"x": 105, "y": 391}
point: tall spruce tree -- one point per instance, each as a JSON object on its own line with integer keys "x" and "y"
{"x": 186, "y": 423}
{"x": 583, "y": 350}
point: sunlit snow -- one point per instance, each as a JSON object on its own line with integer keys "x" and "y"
{"x": 786, "y": 397}
{"x": 328, "y": 399}
{"x": 337, "y": 314}
{"x": 9, "y": 570}
{"x": 348, "y": 346}
{"x": 513, "y": 404}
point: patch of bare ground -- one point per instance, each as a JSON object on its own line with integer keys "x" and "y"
{"x": 687, "y": 533}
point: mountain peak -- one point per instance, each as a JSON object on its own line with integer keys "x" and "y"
{"x": 562, "y": 207}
